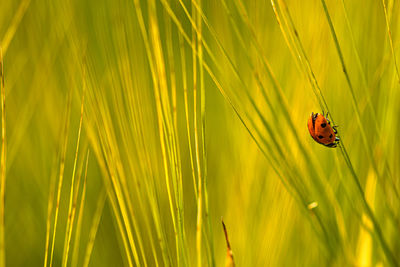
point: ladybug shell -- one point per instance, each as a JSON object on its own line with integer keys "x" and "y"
{"x": 321, "y": 130}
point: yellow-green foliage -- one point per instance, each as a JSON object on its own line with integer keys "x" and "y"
{"x": 131, "y": 127}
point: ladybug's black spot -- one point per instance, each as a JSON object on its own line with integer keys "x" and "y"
{"x": 320, "y": 136}
{"x": 323, "y": 125}
{"x": 330, "y": 136}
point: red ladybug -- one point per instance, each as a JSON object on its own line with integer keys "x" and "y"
{"x": 321, "y": 130}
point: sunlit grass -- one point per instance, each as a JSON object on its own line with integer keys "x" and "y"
{"x": 134, "y": 126}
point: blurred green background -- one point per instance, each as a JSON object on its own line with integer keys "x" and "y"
{"x": 133, "y": 127}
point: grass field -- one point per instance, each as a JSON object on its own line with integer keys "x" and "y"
{"x": 131, "y": 129}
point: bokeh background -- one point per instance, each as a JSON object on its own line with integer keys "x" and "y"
{"x": 132, "y": 127}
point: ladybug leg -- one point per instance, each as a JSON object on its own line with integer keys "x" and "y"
{"x": 337, "y": 139}
{"x": 327, "y": 115}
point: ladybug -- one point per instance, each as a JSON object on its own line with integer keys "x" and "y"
{"x": 321, "y": 130}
